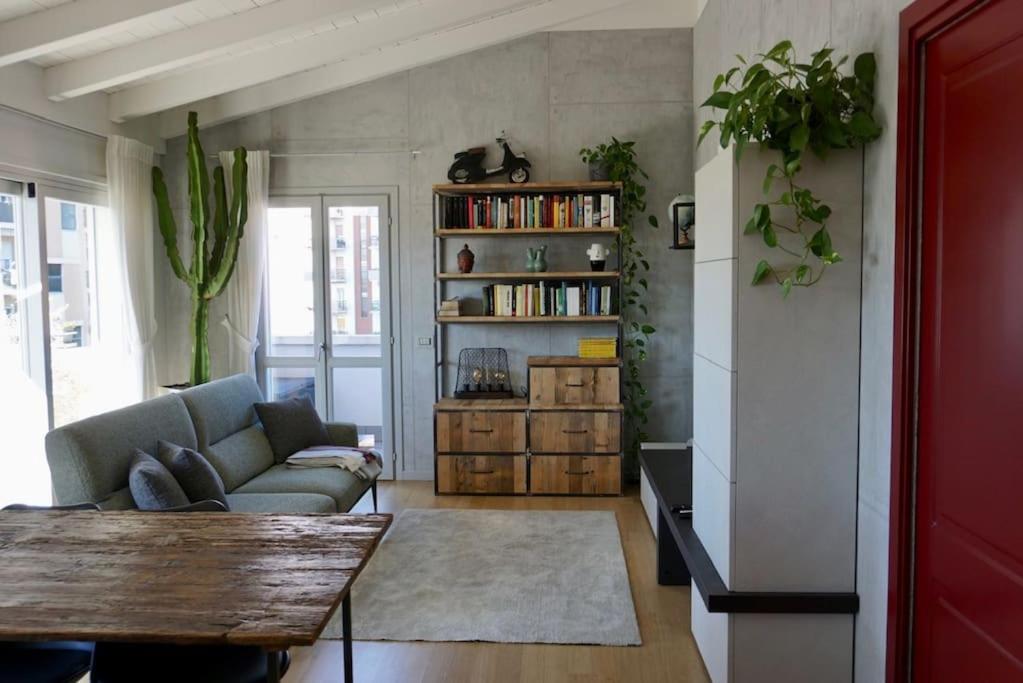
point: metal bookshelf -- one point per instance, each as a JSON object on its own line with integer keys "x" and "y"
{"x": 442, "y": 277}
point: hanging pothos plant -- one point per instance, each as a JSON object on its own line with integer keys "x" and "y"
{"x": 619, "y": 158}
{"x": 791, "y": 107}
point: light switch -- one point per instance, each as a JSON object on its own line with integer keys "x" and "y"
{"x": 426, "y": 341}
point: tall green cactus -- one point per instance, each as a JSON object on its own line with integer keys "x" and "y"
{"x": 213, "y": 256}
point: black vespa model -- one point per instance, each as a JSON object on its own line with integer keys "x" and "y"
{"x": 468, "y": 166}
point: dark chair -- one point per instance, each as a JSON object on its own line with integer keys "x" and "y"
{"x": 132, "y": 662}
{"x": 45, "y": 662}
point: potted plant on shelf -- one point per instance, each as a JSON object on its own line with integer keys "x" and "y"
{"x": 793, "y": 107}
{"x": 597, "y": 160}
{"x": 214, "y": 253}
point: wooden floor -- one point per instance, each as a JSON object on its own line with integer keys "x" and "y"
{"x": 668, "y": 652}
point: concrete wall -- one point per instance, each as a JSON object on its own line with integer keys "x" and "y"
{"x": 727, "y": 27}
{"x": 553, "y": 93}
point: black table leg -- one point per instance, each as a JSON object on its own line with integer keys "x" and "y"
{"x": 273, "y": 666}
{"x": 671, "y": 566}
{"x": 346, "y": 635}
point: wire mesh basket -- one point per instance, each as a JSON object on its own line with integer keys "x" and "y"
{"x": 483, "y": 373}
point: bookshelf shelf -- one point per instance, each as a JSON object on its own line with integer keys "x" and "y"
{"x": 513, "y": 188}
{"x": 523, "y": 232}
{"x": 524, "y": 320}
{"x": 531, "y": 277}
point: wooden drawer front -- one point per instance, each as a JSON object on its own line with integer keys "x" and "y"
{"x": 574, "y": 432}
{"x": 576, "y": 474}
{"x": 481, "y": 432}
{"x": 481, "y": 473}
{"x": 573, "y": 386}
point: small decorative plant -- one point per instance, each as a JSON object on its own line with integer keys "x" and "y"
{"x": 619, "y": 158}
{"x": 793, "y": 107}
{"x": 215, "y": 254}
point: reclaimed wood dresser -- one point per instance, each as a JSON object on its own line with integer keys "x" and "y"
{"x": 566, "y": 439}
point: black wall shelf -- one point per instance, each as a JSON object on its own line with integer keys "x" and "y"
{"x": 670, "y": 477}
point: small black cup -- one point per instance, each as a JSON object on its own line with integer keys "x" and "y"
{"x": 597, "y": 266}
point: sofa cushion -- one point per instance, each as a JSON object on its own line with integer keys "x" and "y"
{"x": 221, "y": 408}
{"x": 240, "y": 457}
{"x": 193, "y": 472}
{"x": 287, "y": 503}
{"x": 343, "y": 486}
{"x": 152, "y": 485}
{"x": 89, "y": 459}
{"x": 292, "y": 425}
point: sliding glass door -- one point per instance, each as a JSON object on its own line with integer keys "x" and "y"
{"x": 24, "y": 409}
{"x": 86, "y": 309}
{"x": 327, "y": 316}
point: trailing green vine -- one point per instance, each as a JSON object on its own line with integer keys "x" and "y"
{"x": 791, "y": 107}
{"x": 619, "y": 158}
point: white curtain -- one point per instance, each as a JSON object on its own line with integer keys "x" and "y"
{"x": 130, "y": 182}
{"x": 244, "y": 290}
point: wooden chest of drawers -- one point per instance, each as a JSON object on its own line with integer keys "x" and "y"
{"x": 481, "y": 446}
{"x": 575, "y": 426}
{"x": 566, "y": 440}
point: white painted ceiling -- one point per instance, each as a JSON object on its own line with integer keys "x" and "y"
{"x": 228, "y": 58}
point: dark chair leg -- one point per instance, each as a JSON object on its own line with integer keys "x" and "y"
{"x": 374, "y": 495}
{"x": 346, "y": 635}
{"x": 273, "y": 666}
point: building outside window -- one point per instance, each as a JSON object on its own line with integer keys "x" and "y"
{"x": 55, "y": 277}
{"x": 68, "y": 217}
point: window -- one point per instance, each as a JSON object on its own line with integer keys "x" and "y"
{"x": 55, "y": 276}
{"x": 68, "y": 217}
{"x": 6, "y": 210}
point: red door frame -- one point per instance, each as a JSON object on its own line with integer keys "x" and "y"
{"x": 917, "y": 24}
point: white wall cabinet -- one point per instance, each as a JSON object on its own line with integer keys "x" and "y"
{"x": 775, "y": 424}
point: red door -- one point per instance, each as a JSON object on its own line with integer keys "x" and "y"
{"x": 968, "y": 578}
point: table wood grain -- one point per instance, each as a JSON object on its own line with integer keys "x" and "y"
{"x": 271, "y": 580}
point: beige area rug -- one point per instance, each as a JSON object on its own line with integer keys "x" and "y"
{"x": 496, "y": 576}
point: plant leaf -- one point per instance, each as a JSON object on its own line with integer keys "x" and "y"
{"x": 799, "y": 137}
{"x": 706, "y": 128}
{"x": 719, "y": 100}
{"x": 763, "y": 270}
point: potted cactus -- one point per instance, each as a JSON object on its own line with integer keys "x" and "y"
{"x": 214, "y": 253}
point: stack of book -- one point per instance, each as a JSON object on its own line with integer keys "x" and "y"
{"x": 524, "y": 211}
{"x": 448, "y": 308}
{"x": 549, "y": 299}
{"x": 598, "y": 347}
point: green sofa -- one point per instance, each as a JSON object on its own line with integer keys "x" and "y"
{"x": 89, "y": 459}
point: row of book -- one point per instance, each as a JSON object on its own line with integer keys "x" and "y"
{"x": 524, "y": 211}
{"x": 550, "y": 299}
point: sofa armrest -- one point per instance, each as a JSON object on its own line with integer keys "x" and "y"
{"x": 343, "y": 434}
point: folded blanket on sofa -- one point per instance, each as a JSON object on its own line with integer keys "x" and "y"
{"x": 364, "y": 463}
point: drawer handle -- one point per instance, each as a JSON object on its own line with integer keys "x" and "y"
{"x": 579, "y": 474}
{"x": 575, "y": 384}
{"x": 575, "y": 431}
{"x": 481, "y": 431}
{"x": 481, "y": 471}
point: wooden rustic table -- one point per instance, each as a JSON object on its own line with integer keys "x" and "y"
{"x": 269, "y": 580}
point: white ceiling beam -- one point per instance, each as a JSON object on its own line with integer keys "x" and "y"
{"x": 192, "y": 45}
{"x": 283, "y": 60}
{"x": 73, "y": 23}
{"x": 418, "y": 52}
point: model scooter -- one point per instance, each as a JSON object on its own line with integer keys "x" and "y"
{"x": 468, "y": 166}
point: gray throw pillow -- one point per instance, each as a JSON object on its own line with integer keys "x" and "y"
{"x": 152, "y": 485}
{"x": 292, "y": 425}
{"x": 193, "y": 472}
